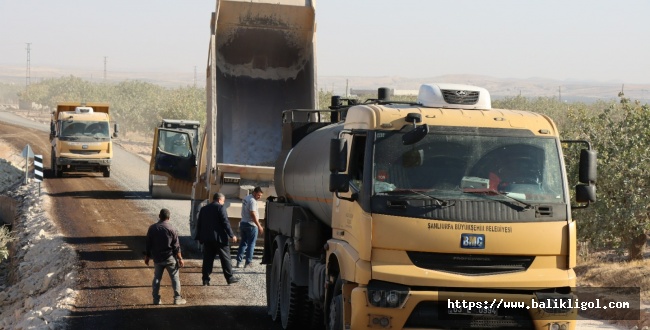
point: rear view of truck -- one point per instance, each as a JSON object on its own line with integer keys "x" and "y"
{"x": 81, "y": 139}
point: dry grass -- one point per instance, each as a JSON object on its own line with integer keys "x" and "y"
{"x": 608, "y": 269}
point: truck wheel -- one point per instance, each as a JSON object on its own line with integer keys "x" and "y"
{"x": 56, "y": 171}
{"x": 292, "y": 298}
{"x": 107, "y": 172}
{"x": 273, "y": 286}
{"x": 336, "y": 307}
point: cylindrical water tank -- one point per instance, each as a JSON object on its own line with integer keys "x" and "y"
{"x": 302, "y": 175}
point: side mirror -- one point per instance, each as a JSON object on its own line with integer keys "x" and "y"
{"x": 587, "y": 170}
{"x": 52, "y": 129}
{"x": 415, "y": 135}
{"x": 339, "y": 182}
{"x": 116, "y": 129}
{"x": 338, "y": 155}
{"x": 585, "y": 193}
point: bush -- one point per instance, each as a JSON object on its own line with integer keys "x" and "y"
{"x": 5, "y": 238}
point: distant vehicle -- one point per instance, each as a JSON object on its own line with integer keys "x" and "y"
{"x": 174, "y": 147}
{"x": 80, "y": 138}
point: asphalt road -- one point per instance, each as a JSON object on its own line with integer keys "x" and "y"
{"x": 105, "y": 220}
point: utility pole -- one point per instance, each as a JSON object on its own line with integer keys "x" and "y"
{"x": 28, "y": 78}
{"x": 347, "y": 89}
{"x": 105, "y": 59}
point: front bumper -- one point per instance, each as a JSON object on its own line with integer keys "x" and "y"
{"x": 425, "y": 309}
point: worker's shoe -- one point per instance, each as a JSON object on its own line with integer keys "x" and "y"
{"x": 206, "y": 282}
{"x": 156, "y": 301}
{"x": 248, "y": 264}
{"x": 179, "y": 301}
{"x": 233, "y": 280}
{"x": 237, "y": 265}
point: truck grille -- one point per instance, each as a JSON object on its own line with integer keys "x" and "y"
{"x": 453, "y": 96}
{"x": 470, "y": 264}
{"x": 85, "y": 152}
{"x": 431, "y": 314}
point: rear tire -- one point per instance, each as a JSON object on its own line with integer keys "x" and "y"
{"x": 273, "y": 298}
{"x": 292, "y": 298}
{"x": 107, "y": 172}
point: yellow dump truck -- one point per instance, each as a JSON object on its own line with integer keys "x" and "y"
{"x": 81, "y": 139}
{"x": 261, "y": 61}
{"x": 438, "y": 214}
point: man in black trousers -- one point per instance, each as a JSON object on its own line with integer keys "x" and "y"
{"x": 214, "y": 232}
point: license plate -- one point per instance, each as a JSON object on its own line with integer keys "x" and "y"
{"x": 472, "y": 311}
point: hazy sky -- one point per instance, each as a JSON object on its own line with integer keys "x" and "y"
{"x": 599, "y": 40}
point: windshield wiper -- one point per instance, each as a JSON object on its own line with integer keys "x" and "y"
{"x": 492, "y": 192}
{"x": 438, "y": 201}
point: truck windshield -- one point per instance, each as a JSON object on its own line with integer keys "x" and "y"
{"x": 174, "y": 142}
{"x": 469, "y": 166}
{"x": 80, "y": 129}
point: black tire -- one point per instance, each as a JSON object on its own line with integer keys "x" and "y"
{"x": 56, "y": 171}
{"x": 335, "y": 320}
{"x": 314, "y": 320}
{"x": 107, "y": 172}
{"x": 292, "y": 298}
{"x": 273, "y": 297}
{"x": 267, "y": 272}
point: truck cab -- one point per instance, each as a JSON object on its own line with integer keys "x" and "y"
{"x": 81, "y": 139}
{"x": 173, "y": 159}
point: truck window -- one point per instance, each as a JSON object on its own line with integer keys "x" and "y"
{"x": 357, "y": 154}
{"x": 174, "y": 143}
{"x": 528, "y": 167}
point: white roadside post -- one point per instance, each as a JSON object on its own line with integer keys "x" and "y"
{"x": 38, "y": 171}
{"x": 27, "y": 153}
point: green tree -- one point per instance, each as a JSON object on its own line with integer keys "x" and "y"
{"x": 621, "y": 135}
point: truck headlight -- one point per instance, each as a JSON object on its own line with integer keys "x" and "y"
{"x": 389, "y": 295}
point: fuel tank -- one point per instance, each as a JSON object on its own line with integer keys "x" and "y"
{"x": 302, "y": 173}
{"x": 265, "y": 59}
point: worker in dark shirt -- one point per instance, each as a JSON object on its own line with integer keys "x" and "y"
{"x": 163, "y": 246}
{"x": 214, "y": 232}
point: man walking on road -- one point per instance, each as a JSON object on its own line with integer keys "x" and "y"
{"x": 214, "y": 232}
{"x": 249, "y": 226}
{"x": 163, "y": 246}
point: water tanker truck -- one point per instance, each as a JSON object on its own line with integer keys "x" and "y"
{"x": 431, "y": 215}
